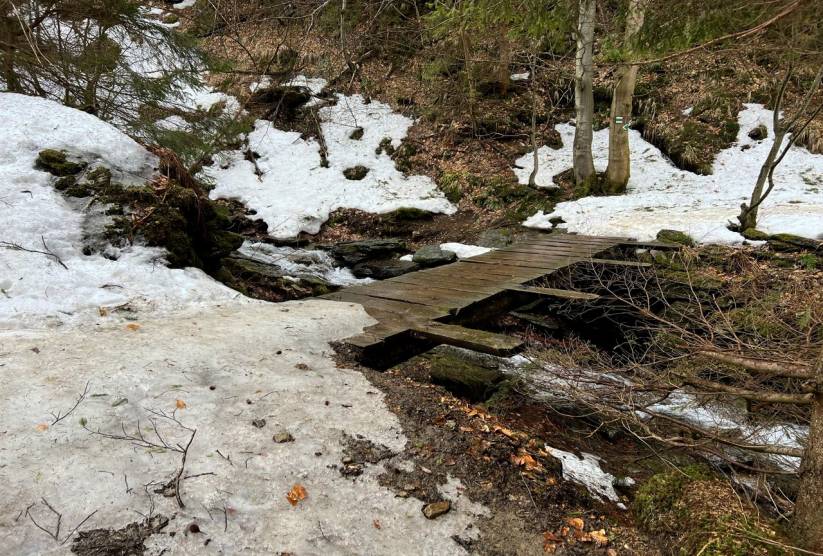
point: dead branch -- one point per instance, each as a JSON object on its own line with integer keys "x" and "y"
{"x": 48, "y": 252}
{"x": 59, "y": 417}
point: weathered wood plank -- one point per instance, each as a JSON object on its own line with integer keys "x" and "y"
{"x": 554, "y": 292}
{"x": 612, "y": 262}
{"x": 478, "y": 340}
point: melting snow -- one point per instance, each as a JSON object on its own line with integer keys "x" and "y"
{"x": 296, "y": 194}
{"x": 305, "y": 262}
{"x": 464, "y": 251}
{"x": 661, "y": 196}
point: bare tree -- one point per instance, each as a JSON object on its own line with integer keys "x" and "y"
{"x": 793, "y": 127}
{"x": 583, "y": 161}
{"x": 619, "y": 170}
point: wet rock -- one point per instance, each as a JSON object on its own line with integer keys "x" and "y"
{"x": 432, "y": 255}
{"x": 353, "y": 252}
{"x": 759, "y": 133}
{"x": 383, "y": 269}
{"x": 675, "y": 236}
{"x": 436, "y": 509}
{"x": 355, "y": 173}
{"x": 497, "y": 238}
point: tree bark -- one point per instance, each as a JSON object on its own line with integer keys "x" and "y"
{"x": 583, "y": 161}
{"x": 807, "y": 522}
{"x": 619, "y": 168}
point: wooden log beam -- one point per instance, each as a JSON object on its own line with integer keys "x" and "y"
{"x": 469, "y": 338}
{"x": 555, "y": 293}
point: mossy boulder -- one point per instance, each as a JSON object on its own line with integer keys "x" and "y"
{"x": 675, "y": 236}
{"x": 57, "y": 163}
{"x": 464, "y": 378}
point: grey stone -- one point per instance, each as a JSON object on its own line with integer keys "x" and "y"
{"x": 353, "y": 252}
{"x": 432, "y": 255}
{"x": 383, "y": 269}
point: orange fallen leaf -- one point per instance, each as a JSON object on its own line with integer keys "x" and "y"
{"x": 180, "y": 404}
{"x": 296, "y": 494}
{"x": 377, "y": 524}
{"x": 599, "y": 537}
{"x": 550, "y": 541}
{"x": 576, "y": 522}
{"x": 134, "y": 327}
{"x": 42, "y": 427}
{"x": 524, "y": 459}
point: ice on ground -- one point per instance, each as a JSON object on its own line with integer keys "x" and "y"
{"x": 661, "y": 196}
{"x": 184, "y": 4}
{"x": 520, "y": 76}
{"x": 35, "y": 288}
{"x": 294, "y": 193}
{"x": 216, "y": 372}
{"x": 587, "y": 472}
{"x": 301, "y": 262}
{"x": 464, "y": 251}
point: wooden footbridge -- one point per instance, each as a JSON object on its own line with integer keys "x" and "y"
{"x": 435, "y": 306}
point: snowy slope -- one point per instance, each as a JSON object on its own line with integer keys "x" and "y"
{"x": 296, "y": 194}
{"x": 662, "y": 196}
{"x": 35, "y": 288}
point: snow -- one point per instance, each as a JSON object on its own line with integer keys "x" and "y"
{"x": 464, "y": 251}
{"x": 520, "y": 76}
{"x": 301, "y": 262}
{"x": 36, "y": 290}
{"x": 263, "y": 361}
{"x": 296, "y": 194}
{"x": 184, "y": 4}
{"x": 661, "y": 196}
{"x": 587, "y": 472}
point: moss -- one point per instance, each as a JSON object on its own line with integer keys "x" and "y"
{"x": 754, "y": 234}
{"x": 809, "y": 262}
{"x": 57, "y": 163}
{"x": 519, "y": 201}
{"x": 449, "y": 184}
{"x": 700, "y": 513}
{"x": 790, "y": 243}
{"x": 385, "y": 146}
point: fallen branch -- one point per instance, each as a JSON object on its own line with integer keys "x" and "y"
{"x": 59, "y": 417}
{"x": 48, "y": 252}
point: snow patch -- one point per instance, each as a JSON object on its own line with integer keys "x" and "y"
{"x": 464, "y": 251}
{"x": 661, "y": 196}
{"x": 301, "y": 262}
{"x": 36, "y": 289}
{"x": 587, "y": 472}
{"x": 294, "y": 193}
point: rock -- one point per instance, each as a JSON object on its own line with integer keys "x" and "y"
{"x": 675, "y": 236}
{"x": 432, "y": 255}
{"x": 259, "y": 423}
{"x": 356, "y": 134}
{"x": 356, "y": 173}
{"x": 282, "y": 437}
{"x": 497, "y": 238}
{"x": 406, "y": 214}
{"x": 436, "y": 509}
{"x": 353, "y": 252}
{"x": 759, "y": 133}
{"x": 383, "y": 268}
{"x": 57, "y": 163}
{"x": 464, "y": 378}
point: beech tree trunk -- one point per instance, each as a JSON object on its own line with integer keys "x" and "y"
{"x": 807, "y": 521}
{"x": 583, "y": 96}
{"x": 748, "y": 213}
{"x": 619, "y": 168}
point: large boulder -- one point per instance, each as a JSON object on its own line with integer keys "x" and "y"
{"x": 383, "y": 268}
{"x": 432, "y": 255}
{"x": 463, "y": 376}
{"x": 675, "y": 236}
{"x": 354, "y": 252}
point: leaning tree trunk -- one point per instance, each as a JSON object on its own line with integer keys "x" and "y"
{"x": 807, "y": 521}
{"x": 619, "y": 169}
{"x": 583, "y": 161}
{"x": 748, "y": 213}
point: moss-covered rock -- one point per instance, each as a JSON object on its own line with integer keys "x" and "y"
{"x": 464, "y": 378}
{"x": 675, "y": 236}
{"x": 355, "y": 173}
{"x": 792, "y": 243}
{"x": 57, "y": 163}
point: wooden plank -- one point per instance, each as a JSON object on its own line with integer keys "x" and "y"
{"x": 556, "y": 293}
{"x": 525, "y": 264}
{"x": 376, "y": 305}
{"x": 423, "y": 295}
{"x": 611, "y": 262}
{"x": 477, "y": 340}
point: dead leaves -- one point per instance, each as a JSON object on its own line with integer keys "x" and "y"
{"x": 572, "y": 532}
{"x": 41, "y": 427}
{"x": 134, "y": 327}
{"x": 523, "y": 459}
{"x": 297, "y": 494}
{"x": 180, "y": 404}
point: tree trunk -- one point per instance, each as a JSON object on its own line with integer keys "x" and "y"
{"x": 748, "y": 213}
{"x": 505, "y": 61}
{"x": 807, "y": 521}
{"x": 583, "y": 162}
{"x": 619, "y": 169}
